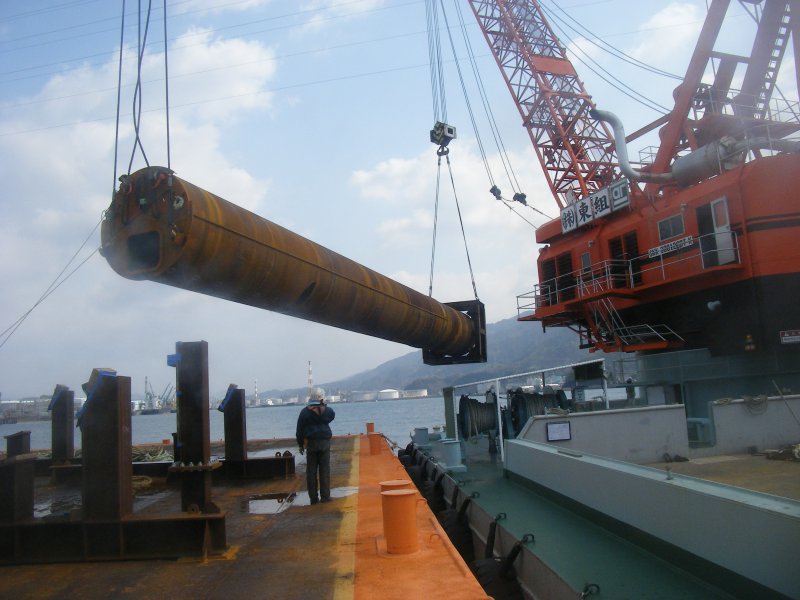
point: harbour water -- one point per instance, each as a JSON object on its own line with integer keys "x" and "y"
{"x": 396, "y": 419}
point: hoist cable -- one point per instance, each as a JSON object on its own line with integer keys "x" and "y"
{"x": 508, "y": 204}
{"x": 54, "y": 285}
{"x": 166, "y": 84}
{"x": 119, "y": 96}
{"x": 435, "y": 222}
{"x": 137, "y": 92}
{"x": 628, "y": 91}
{"x": 481, "y": 149}
{"x": 487, "y": 107}
{"x": 533, "y": 208}
{"x": 435, "y": 61}
{"x": 608, "y": 48}
{"x": 461, "y": 221}
{"x": 437, "y": 83}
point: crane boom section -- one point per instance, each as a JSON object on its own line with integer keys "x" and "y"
{"x": 576, "y": 152}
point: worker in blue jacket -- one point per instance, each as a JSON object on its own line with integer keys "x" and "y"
{"x": 314, "y": 438}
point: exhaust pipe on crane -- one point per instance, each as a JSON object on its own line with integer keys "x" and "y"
{"x": 707, "y": 161}
{"x": 164, "y": 229}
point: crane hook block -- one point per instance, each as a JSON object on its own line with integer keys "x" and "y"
{"x": 442, "y": 134}
{"x": 164, "y": 229}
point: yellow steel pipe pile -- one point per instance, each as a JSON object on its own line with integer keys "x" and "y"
{"x": 164, "y": 229}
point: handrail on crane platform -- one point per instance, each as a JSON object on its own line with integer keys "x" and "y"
{"x": 609, "y": 277}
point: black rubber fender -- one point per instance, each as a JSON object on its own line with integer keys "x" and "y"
{"x": 496, "y": 583}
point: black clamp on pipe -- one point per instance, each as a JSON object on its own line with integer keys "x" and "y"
{"x": 475, "y": 310}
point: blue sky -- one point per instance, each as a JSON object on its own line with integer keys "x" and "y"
{"x": 313, "y": 114}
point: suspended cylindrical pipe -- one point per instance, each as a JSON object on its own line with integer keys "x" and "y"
{"x": 164, "y": 229}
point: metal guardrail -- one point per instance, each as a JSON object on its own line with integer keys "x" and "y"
{"x": 608, "y": 275}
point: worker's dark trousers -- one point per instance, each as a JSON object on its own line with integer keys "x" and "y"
{"x": 318, "y": 463}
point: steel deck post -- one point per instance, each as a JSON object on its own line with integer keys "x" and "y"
{"x": 191, "y": 362}
{"x": 62, "y": 408}
{"x": 235, "y": 426}
{"x": 105, "y": 423}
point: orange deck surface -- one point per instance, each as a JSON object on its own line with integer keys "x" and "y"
{"x": 436, "y": 570}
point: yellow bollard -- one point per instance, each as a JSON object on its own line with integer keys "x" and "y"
{"x": 400, "y": 521}
{"x": 370, "y": 427}
{"x": 375, "y": 443}
{"x": 396, "y": 484}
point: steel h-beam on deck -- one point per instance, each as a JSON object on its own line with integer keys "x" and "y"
{"x": 105, "y": 422}
{"x": 237, "y": 464}
{"x": 108, "y": 529}
{"x": 193, "y": 448}
{"x": 62, "y": 416}
{"x": 233, "y": 409}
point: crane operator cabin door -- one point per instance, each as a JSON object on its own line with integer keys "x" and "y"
{"x": 716, "y": 238}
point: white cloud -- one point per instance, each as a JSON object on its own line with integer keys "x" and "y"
{"x": 670, "y": 33}
{"x": 322, "y": 12}
{"x": 59, "y": 178}
{"x": 501, "y": 244}
{"x": 214, "y": 78}
{"x": 216, "y": 6}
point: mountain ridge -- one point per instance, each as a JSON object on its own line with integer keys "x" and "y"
{"x": 513, "y": 347}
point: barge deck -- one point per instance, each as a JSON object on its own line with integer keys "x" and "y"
{"x": 278, "y": 546}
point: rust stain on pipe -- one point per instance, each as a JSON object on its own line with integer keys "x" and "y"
{"x": 164, "y": 229}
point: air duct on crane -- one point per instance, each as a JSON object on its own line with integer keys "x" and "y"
{"x": 707, "y": 161}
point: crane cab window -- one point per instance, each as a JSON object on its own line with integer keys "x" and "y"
{"x": 586, "y": 262}
{"x": 670, "y": 227}
{"x": 558, "y": 279}
{"x": 625, "y": 261}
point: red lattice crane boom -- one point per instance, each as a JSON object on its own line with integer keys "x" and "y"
{"x": 575, "y": 151}
{"x": 692, "y": 250}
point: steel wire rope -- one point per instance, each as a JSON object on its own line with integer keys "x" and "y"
{"x": 166, "y": 86}
{"x": 501, "y": 149}
{"x": 438, "y": 95}
{"x": 487, "y": 107}
{"x": 435, "y": 223}
{"x": 577, "y": 52}
{"x": 461, "y": 222}
{"x": 45, "y": 10}
{"x": 436, "y": 75}
{"x": 467, "y": 102}
{"x": 608, "y": 48}
{"x": 786, "y": 402}
{"x": 95, "y": 22}
{"x": 437, "y": 81}
{"x": 201, "y": 34}
{"x": 9, "y": 331}
{"x": 227, "y": 67}
{"x": 509, "y": 204}
{"x": 119, "y": 97}
{"x": 54, "y": 285}
{"x": 229, "y": 97}
{"x": 137, "y": 91}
